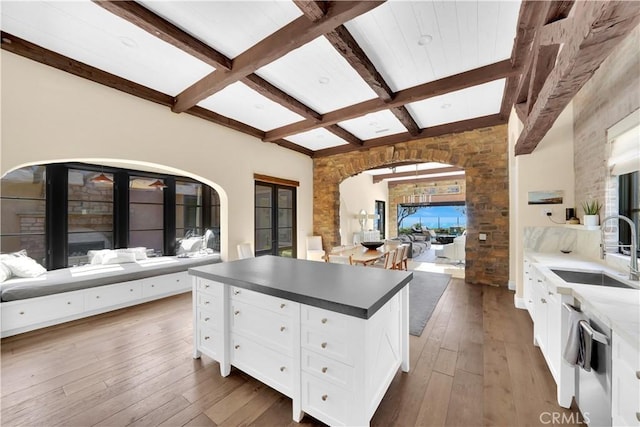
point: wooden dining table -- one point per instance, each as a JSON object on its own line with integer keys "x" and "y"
{"x": 361, "y": 255}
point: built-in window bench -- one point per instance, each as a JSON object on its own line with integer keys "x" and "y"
{"x": 66, "y": 294}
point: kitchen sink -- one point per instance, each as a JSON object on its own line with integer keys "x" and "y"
{"x": 590, "y": 278}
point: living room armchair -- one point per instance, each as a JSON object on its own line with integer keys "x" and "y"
{"x": 454, "y": 251}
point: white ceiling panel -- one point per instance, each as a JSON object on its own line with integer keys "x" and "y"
{"x": 318, "y": 76}
{"x": 230, "y": 27}
{"x": 317, "y": 139}
{"x": 414, "y": 42}
{"x": 374, "y": 125}
{"x": 88, "y": 33}
{"x": 476, "y": 101}
{"x": 240, "y": 102}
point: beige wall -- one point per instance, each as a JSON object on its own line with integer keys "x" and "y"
{"x": 549, "y": 167}
{"x": 356, "y": 193}
{"x": 52, "y": 116}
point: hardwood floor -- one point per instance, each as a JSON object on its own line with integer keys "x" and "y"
{"x": 473, "y": 365}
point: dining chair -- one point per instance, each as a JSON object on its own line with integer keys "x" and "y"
{"x": 402, "y": 258}
{"x": 339, "y": 259}
{"x": 388, "y": 260}
{"x": 400, "y": 251}
{"x": 245, "y": 251}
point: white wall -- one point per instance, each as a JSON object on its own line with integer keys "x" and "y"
{"x": 549, "y": 167}
{"x": 356, "y": 193}
{"x": 51, "y": 116}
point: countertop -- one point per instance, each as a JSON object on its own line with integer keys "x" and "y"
{"x": 351, "y": 290}
{"x": 618, "y": 308}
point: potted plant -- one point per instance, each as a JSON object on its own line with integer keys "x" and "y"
{"x": 591, "y": 213}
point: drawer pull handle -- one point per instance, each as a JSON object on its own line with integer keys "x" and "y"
{"x": 153, "y": 286}
{"x": 68, "y": 302}
{"x": 97, "y": 296}
{"x": 324, "y": 369}
{"x": 206, "y": 302}
{"x": 324, "y": 397}
{"x": 206, "y": 319}
{"x": 130, "y": 290}
{"x": 323, "y": 345}
{"x": 236, "y": 312}
{"x": 282, "y": 368}
{"x": 237, "y": 346}
{"x": 22, "y": 312}
{"x": 282, "y": 328}
{"x": 542, "y": 300}
{"x": 236, "y": 292}
{"x": 206, "y": 286}
{"x": 539, "y": 281}
{"x": 283, "y": 305}
{"x": 638, "y": 375}
{"x": 206, "y": 338}
{"x": 324, "y": 320}
{"x": 638, "y": 416}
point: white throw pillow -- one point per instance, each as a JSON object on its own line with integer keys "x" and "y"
{"x": 139, "y": 252}
{"x": 21, "y": 265}
{"x": 5, "y": 272}
{"x": 95, "y": 256}
{"x": 191, "y": 244}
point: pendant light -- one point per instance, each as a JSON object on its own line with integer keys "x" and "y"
{"x": 158, "y": 184}
{"x": 101, "y": 178}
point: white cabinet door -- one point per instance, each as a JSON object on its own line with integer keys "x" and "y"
{"x": 554, "y": 322}
{"x": 540, "y": 311}
{"x": 625, "y": 382}
{"x": 527, "y": 284}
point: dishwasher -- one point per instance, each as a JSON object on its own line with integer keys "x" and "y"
{"x": 593, "y": 385}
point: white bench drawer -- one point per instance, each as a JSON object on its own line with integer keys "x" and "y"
{"x": 42, "y": 309}
{"x": 106, "y": 296}
{"x": 165, "y": 284}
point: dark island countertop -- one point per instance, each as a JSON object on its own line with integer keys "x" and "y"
{"x": 351, "y": 290}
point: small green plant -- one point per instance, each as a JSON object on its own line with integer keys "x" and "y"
{"x": 591, "y": 207}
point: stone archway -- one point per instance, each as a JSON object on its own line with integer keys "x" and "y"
{"x": 483, "y": 153}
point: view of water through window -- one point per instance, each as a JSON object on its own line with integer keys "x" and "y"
{"x": 433, "y": 217}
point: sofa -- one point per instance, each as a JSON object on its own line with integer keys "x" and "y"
{"x": 417, "y": 244}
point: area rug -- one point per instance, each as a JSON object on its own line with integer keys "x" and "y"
{"x": 425, "y": 291}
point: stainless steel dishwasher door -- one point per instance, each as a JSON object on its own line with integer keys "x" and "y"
{"x": 593, "y": 389}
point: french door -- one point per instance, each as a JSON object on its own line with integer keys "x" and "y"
{"x": 275, "y": 220}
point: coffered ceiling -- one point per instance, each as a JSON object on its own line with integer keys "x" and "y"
{"x": 318, "y": 77}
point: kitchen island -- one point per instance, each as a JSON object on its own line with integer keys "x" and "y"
{"x": 329, "y": 336}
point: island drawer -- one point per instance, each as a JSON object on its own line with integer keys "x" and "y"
{"x": 267, "y": 327}
{"x": 268, "y": 302}
{"x": 326, "y": 321}
{"x": 325, "y": 400}
{"x": 340, "y": 347}
{"x": 209, "y": 287}
{"x": 272, "y": 368}
{"x": 328, "y": 369}
{"x": 209, "y": 318}
{"x": 209, "y": 302}
{"x": 209, "y": 341}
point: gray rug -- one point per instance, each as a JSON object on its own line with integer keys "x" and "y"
{"x": 425, "y": 291}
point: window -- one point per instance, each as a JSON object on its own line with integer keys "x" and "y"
{"x": 89, "y": 214}
{"x": 629, "y": 206}
{"x": 23, "y": 212}
{"x": 58, "y": 220}
{"x": 146, "y": 214}
{"x": 188, "y": 209}
{"x": 444, "y": 218}
{"x": 275, "y": 219}
{"x": 379, "y": 218}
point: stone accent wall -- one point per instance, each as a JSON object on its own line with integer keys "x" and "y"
{"x": 483, "y": 153}
{"x": 610, "y": 95}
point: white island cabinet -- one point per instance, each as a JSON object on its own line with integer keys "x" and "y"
{"x": 331, "y": 337}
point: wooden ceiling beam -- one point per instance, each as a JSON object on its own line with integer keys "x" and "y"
{"x": 346, "y": 135}
{"x": 445, "y": 129}
{"x": 292, "y": 36}
{"x": 460, "y": 81}
{"x": 406, "y": 119}
{"x": 594, "y": 31}
{"x": 314, "y": 10}
{"x": 166, "y": 31}
{"x": 424, "y": 173}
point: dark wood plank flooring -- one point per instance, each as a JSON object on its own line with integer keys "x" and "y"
{"x": 474, "y": 365}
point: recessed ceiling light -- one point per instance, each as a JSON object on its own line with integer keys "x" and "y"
{"x": 424, "y": 39}
{"x": 445, "y": 106}
{"x": 128, "y": 42}
{"x": 382, "y": 130}
{"x": 324, "y": 80}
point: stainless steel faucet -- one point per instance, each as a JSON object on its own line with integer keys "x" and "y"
{"x": 634, "y": 274}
